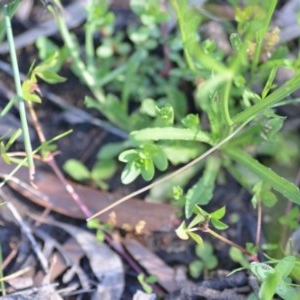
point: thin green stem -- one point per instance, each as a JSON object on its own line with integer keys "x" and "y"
{"x": 21, "y": 102}
{"x": 2, "y": 284}
{"x": 228, "y": 242}
{"x": 74, "y": 51}
{"x": 73, "y": 48}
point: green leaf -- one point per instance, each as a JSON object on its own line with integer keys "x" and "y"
{"x": 261, "y": 270}
{"x": 12, "y": 139}
{"x": 269, "y": 85}
{"x": 111, "y": 150}
{"x": 147, "y": 169}
{"x": 269, "y": 199}
{"x": 28, "y": 89}
{"x": 191, "y": 121}
{"x": 178, "y": 152}
{"x": 11, "y": 9}
{"x": 100, "y": 235}
{"x": 165, "y": 115}
{"x": 199, "y": 218}
{"x": 204, "y": 251}
{"x": 181, "y": 231}
{"x": 93, "y": 224}
{"x": 202, "y": 192}
{"x": 195, "y": 268}
{"x": 51, "y": 63}
{"x": 50, "y": 77}
{"x": 280, "y": 184}
{"x": 76, "y": 170}
{"x": 237, "y": 256}
{"x": 285, "y": 266}
{"x": 103, "y": 169}
{"x": 219, "y": 214}
{"x": 291, "y": 219}
{"x": 196, "y": 237}
{"x": 268, "y": 287}
{"x": 189, "y": 20}
{"x": 143, "y": 282}
{"x": 218, "y": 224}
{"x": 169, "y": 133}
{"x": 46, "y": 48}
{"x": 151, "y": 279}
{"x": 148, "y": 107}
{"x": 235, "y": 41}
{"x": 177, "y": 99}
{"x": 160, "y": 159}
{"x": 129, "y": 155}
{"x": 130, "y": 172}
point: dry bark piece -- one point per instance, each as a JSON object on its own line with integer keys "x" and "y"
{"x": 50, "y": 193}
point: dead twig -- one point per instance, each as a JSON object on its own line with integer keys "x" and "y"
{"x": 27, "y": 231}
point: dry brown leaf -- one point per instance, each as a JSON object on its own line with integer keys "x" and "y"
{"x": 50, "y": 193}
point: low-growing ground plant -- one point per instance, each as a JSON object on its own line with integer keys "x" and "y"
{"x": 174, "y": 98}
{"x": 136, "y": 77}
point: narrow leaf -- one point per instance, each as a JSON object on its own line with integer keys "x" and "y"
{"x": 170, "y": 133}
{"x": 218, "y": 224}
{"x": 202, "y": 192}
{"x": 280, "y": 184}
{"x": 196, "y": 237}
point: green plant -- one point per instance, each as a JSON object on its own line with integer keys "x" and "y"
{"x": 146, "y": 282}
{"x": 203, "y": 221}
{"x": 101, "y": 229}
{"x": 206, "y": 260}
{"x": 276, "y": 280}
{"x": 234, "y": 97}
{"x": 101, "y": 171}
{"x": 7, "y": 10}
{"x": 2, "y": 283}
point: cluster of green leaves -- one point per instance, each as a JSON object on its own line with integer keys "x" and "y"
{"x": 100, "y": 228}
{"x": 201, "y": 222}
{"x": 276, "y": 280}
{"x": 101, "y": 171}
{"x": 47, "y": 71}
{"x": 140, "y": 92}
{"x": 206, "y": 260}
{"x": 146, "y": 282}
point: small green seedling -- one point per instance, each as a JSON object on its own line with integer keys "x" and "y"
{"x": 207, "y": 260}
{"x": 101, "y": 228}
{"x": 146, "y": 282}
{"x": 101, "y": 171}
{"x": 202, "y": 222}
{"x": 291, "y": 219}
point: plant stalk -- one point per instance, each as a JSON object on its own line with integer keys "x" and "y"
{"x": 228, "y": 242}
{"x": 21, "y": 102}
